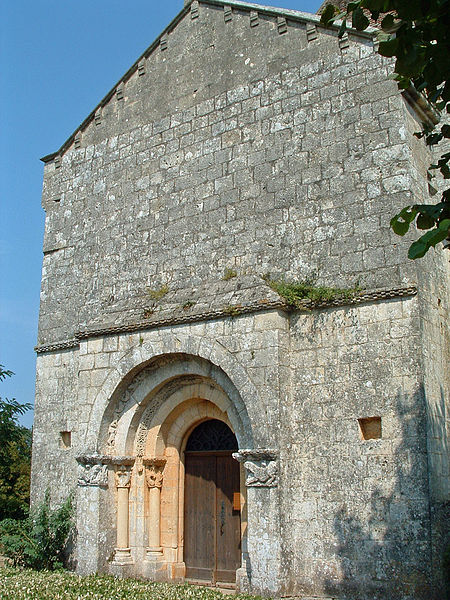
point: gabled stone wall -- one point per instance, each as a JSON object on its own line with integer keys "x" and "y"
{"x": 239, "y": 146}
{"x": 245, "y": 143}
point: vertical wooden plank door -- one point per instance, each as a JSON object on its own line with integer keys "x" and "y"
{"x": 211, "y": 527}
{"x": 228, "y": 521}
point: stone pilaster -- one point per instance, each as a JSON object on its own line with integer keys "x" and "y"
{"x": 263, "y": 541}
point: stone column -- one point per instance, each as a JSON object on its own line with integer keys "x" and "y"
{"x": 92, "y": 490}
{"x": 123, "y": 482}
{"x": 263, "y": 514}
{"x": 154, "y": 468}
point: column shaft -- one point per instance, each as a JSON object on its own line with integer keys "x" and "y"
{"x": 122, "y": 517}
{"x": 154, "y": 538}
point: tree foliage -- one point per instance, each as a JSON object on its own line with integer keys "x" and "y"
{"x": 416, "y": 33}
{"x": 15, "y": 457}
{"x": 40, "y": 540}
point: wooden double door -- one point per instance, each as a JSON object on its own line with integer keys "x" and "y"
{"x": 212, "y": 523}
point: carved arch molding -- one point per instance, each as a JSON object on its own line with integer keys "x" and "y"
{"x": 141, "y": 447}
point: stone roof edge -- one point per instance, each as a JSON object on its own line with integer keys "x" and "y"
{"x": 248, "y": 6}
{"x": 231, "y": 311}
{"x": 170, "y": 27}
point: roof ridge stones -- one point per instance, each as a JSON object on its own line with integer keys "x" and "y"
{"x": 283, "y": 16}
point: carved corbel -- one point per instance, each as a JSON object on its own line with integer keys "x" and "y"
{"x": 261, "y": 466}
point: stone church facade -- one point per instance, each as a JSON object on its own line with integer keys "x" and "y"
{"x": 213, "y": 431}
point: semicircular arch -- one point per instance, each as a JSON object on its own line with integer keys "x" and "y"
{"x": 238, "y": 388}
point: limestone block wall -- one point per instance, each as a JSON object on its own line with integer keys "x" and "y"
{"x": 229, "y": 135}
{"x": 360, "y": 507}
{"x": 434, "y": 279}
{"x": 348, "y": 514}
{"x": 433, "y": 272}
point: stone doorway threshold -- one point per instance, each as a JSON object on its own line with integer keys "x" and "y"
{"x": 225, "y": 588}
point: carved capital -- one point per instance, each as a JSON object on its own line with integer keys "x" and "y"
{"x": 123, "y": 476}
{"x": 261, "y": 466}
{"x": 92, "y": 475}
{"x": 154, "y": 471}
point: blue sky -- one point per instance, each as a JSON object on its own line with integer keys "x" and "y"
{"x": 57, "y": 60}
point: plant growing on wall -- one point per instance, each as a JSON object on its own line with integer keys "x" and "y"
{"x": 294, "y": 292}
{"x": 417, "y": 35}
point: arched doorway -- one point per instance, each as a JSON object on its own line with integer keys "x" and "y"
{"x": 212, "y": 520}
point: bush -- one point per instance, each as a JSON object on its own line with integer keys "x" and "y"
{"x": 39, "y": 541}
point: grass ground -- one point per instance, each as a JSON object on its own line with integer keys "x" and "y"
{"x": 25, "y": 584}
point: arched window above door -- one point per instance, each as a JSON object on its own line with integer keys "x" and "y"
{"x": 212, "y": 435}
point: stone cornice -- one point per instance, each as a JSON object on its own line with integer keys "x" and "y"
{"x": 96, "y": 459}
{"x": 255, "y": 454}
{"x": 230, "y": 312}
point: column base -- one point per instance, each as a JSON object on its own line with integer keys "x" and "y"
{"x": 122, "y": 556}
{"x": 154, "y": 554}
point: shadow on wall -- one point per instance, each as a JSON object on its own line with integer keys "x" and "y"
{"x": 385, "y": 552}
{"x": 440, "y": 510}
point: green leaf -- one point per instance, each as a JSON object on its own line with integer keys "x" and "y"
{"x": 390, "y": 24}
{"x": 408, "y": 214}
{"x": 421, "y": 246}
{"x": 351, "y": 6}
{"x": 388, "y": 48}
{"x": 445, "y": 130}
{"x": 417, "y": 250}
{"x": 444, "y": 224}
{"x": 400, "y": 222}
{"x": 375, "y": 5}
{"x": 433, "y": 139}
{"x": 328, "y": 14}
{"x": 359, "y": 19}
{"x": 432, "y": 210}
{"x": 425, "y": 222}
{"x": 343, "y": 28}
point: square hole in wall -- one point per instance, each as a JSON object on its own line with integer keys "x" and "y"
{"x": 65, "y": 440}
{"x": 370, "y": 428}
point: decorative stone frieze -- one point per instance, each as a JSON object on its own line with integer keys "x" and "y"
{"x": 93, "y": 475}
{"x": 261, "y": 466}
